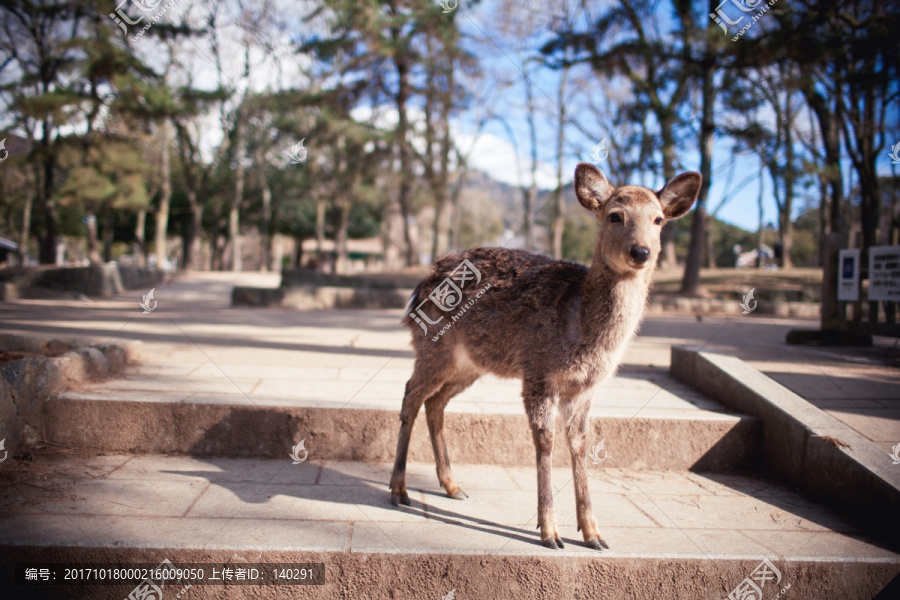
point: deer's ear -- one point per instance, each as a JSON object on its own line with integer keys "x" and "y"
{"x": 679, "y": 194}
{"x": 591, "y": 187}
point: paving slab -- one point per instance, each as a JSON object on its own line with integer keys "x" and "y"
{"x": 502, "y": 499}
{"x": 337, "y": 510}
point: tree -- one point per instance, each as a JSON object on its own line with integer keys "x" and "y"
{"x": 751, "y": 98}
{"x": 43, "y": 39}
{"x": 112, "y": 177}
{"x": 705, "y": 71}
{"x": 191, "y": 104}
{"x": 624, "y": 45}
{"x": 365, "y": 35}
{"x": 848, "y": 76}
{"x": 443, "y": 58}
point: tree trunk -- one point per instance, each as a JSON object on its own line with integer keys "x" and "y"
{"x": 277, "y": 252}
{"x": 823, "y": 219}
{"x": 298, "y": 253}
{"x": 762, "y": 225}
{"x": 437, "y": 168}
{"x": 868, "y": 176}
{"x": 26, "y": 227}
{"x": 92, "y": 242}
{"x": 109, "y": 223}
{"x": 887, "y": 227}
{"x": 439, "y": 243}
{"x": 266, "y": 238}
{"x": 786, "y": 239}
{"x": 559, "y": 217}
{"x": 340, "y": 238}
{"x": 47, "y": 254}
{"x": 320, "y": 232}
{"x": 530, "y": 195}
{"x": 690, "y": 284}
{"x": 402, "y": 62}
{"x": 831, "y": 142}
{"x": 165, "y": 196}
{"x": 192, "y": 246}
{"x": 441, "y": 190}
{"x": 667, "y": 258}
{"x": 140, "y": 237}
{"x": 786, "y": 234}
{"x": 709, "y": 254}
{"x": 234, "y": 215}
{"x": 457, "y": 213}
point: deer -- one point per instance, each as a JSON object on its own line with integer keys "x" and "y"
{"x": 559, "y": 326}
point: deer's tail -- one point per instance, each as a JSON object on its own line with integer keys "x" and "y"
{"x": 414, "y": 300}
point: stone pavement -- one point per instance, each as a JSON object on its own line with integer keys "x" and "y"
{"x": 182, "y": 502}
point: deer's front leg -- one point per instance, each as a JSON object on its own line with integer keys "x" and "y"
{"x": 539, "y": 408}
{"x": 576, "y": 413}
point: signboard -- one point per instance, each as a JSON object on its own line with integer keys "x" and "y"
{"x": 848, "y": 275}
{"x": 884, "y": 273}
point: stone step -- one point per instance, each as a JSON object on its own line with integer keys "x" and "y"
{"x": 673, "y": 534}
{"x": 137, "y": 421}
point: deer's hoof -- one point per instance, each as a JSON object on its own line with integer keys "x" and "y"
{"x": 459, "y": 495}
{"x": 397, "y": 499}
{"x": 596, "y": 544}
{"x": 553, "y": 543}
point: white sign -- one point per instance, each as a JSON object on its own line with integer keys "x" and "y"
{"x": 848, "y": 275}
{"x": 884, "y": 273}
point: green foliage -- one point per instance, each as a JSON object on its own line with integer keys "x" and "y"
{"x": 725, "y": 237}
{"x": 296, "y": 217}
{"x": 363, "y": 221}
{"x": 579, "y": 237}
{"x": 805, "y": 248}
{"x": 112, "y": 176}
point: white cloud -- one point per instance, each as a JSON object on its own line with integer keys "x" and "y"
{"x": 497, "y": 157}
{"x": 487, "y": 152}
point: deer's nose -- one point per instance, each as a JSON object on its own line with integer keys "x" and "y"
{"x": 640, "y": 254}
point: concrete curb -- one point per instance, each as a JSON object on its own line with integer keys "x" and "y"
{"x": 104, "y": 280}
{"x": 25, "y": 384}
{"x": 712, "y": 444}
{"x": 804, "y": 446}
{"x": 667, "y": 304}
{"x": 319, "y": 297}
{"x": 388, "y": 575}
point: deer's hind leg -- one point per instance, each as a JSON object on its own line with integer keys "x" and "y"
{"x": 434, "y": 413}
{"x": 425, "y": 382}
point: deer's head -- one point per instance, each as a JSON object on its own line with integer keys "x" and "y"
{"x": 632, "y": 217}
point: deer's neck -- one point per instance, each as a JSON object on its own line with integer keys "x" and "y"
{"x": 614, "y": 306}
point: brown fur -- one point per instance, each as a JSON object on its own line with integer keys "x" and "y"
{"x": 559, "y": 326}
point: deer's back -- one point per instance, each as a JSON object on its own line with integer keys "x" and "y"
{"x": 521, "y": 313}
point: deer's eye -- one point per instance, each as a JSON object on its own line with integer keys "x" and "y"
{"x": 657, "y": 221}
{"x": 615, "y": 218}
